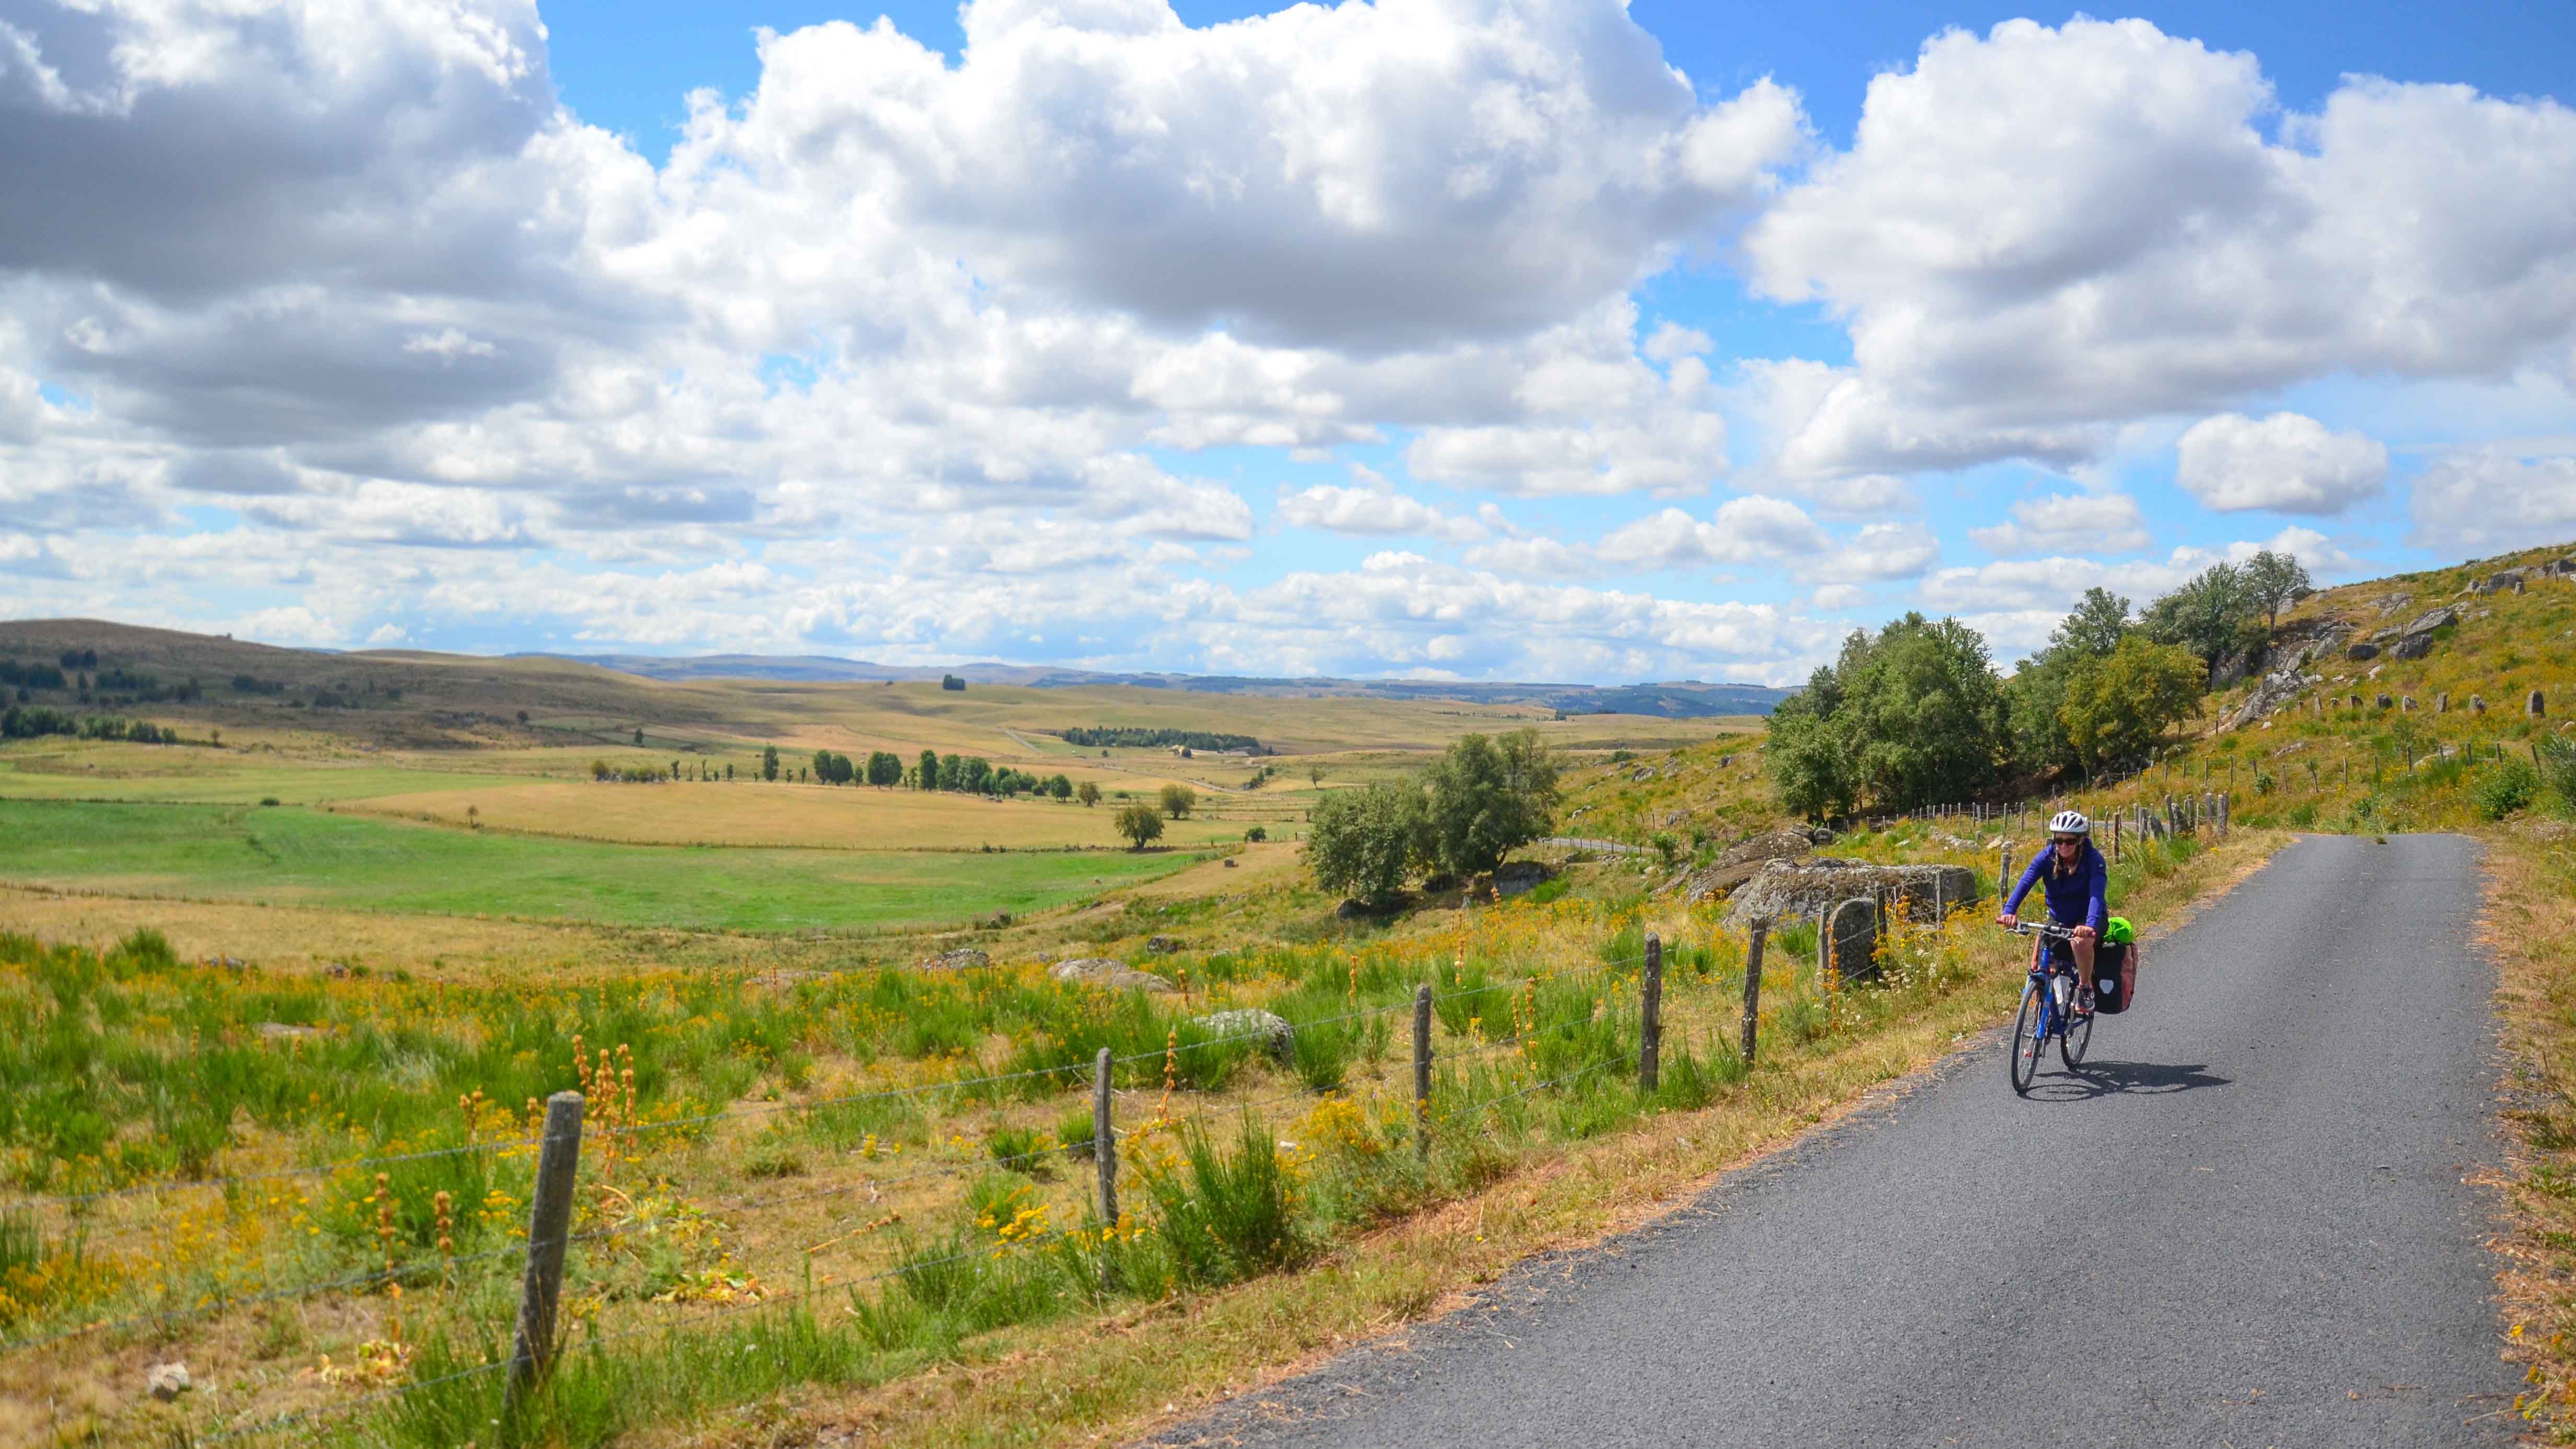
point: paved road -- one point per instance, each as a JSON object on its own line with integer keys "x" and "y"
{"x": 2260, "y": 1172}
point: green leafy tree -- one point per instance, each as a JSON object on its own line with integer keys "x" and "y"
{"x": 2272, "y": 580}
{"x": 1363, "y": 844}
{"x": 1138, "y": 822}
{"x": 1488, "y": 798}
{"x": 952, "y": 773}
{"x": 1087, "y": 792}
{"x": 929, "y": 779}
{"x": 639, "y": 734}
{"x": 1060, "y": 787}
{"x": 769, "y": 762}
{"x": 1805, "y": 756}
{"x": 976, "y": 777}
{"x": 1179, "y": 800}
{"x": 2036, "y": 694}
{"x": 1906, "y": 717}
{"x": 823, "y": 766}
{"x": 2117, "y": 707}
{"x": 2213, "y": 616}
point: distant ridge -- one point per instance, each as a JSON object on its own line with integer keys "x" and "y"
{"x": 1674, "y": 699}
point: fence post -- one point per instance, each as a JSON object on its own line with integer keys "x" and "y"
{"x": 2115, "y": 837}
{"x": 1422, "y": 1070}
{"x": 1752, "y": 990}
{"x": 2003, "y": 869}
{"x": 549, "y": 1224}
{"x": 1650, "y": 1047}
{"x": 1104, "y": 1140}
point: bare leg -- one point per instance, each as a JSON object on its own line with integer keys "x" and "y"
{"x": 2083, "y": 960}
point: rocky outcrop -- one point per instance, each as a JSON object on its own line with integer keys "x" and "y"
{"x": 1274, "y": 1033}
{"x": 964, "y": 958}
{"x": 2276, "y": 692}
{"x": 1519, "y": 877}
{"x": 1788, "y": 889}
{"x": 2417, "y": 640}
{"x": 1103, "y": 972}
{"x": 2504, "y": 582}
{"x": 1162, "y": 945}
{"x": 1742, "y": 861}
{"x": 2361, "y": 650}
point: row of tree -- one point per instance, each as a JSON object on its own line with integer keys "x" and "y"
{"x": 31, "y": 722}
{"x": 1135, "y": 737}
{"x": 1914, "y": 714}
{"x": 1483, "y": 799}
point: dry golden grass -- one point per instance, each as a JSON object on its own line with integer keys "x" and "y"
{"x": 2531, "y": 892}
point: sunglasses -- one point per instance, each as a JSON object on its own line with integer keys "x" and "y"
{"x": 2066, "y": 840}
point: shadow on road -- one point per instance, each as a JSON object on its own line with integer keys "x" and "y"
{"x": 2103, "y": 1079}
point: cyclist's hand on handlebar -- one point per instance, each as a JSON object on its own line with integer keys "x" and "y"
{"x": 2084, "y": 933}
{"x": 2008, "y": 921}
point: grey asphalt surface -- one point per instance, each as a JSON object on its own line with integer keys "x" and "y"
{"x": 2243, "y": 1223}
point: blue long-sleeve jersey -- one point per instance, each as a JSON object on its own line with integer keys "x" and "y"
{"x": 2077, "y": 897}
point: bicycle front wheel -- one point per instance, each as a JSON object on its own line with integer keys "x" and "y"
{"x": 2077, "y": 1036}
{"x": 2027, "y": 1040}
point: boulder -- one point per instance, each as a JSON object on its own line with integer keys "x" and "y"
{"x": 280, "y": 1031}
{"x": 1519, "y": 877}
{"x": 2413, "y": 646}
{"x": 2275, "y": 692}
{"x": 964, "y": 958}
{"x": 2438, "y": 618}
{"x": 2362, "y": 650}
{"x": 1854, "y": 950}
{"x": 167, "y": 1381}
{"x": 1277, "y": 1037}
{"x": 1103, "y": 972}
{"x": 1789, "y": 889}
{"x": 1162, "y": 945}
{"x": 2506, "y": 581}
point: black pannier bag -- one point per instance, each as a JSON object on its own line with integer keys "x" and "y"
{"x": 2114, "y": 979}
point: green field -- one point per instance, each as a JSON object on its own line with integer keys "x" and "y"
{"x": 300, "y": 857}
{"x": 211, "y": 778}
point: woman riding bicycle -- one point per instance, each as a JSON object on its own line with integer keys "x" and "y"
{"x": 2077, "y": 882}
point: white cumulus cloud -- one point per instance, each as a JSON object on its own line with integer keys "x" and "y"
{"x": 2286, "y": 463}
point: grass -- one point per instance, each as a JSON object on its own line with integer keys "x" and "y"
{"x": 306, "y": 857}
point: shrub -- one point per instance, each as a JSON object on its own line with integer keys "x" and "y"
{"x": 2558, "y": 770}
{"x": 1226, "y": 1217}
{"x": 2507, "y": 788}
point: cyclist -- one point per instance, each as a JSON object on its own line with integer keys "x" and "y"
{"x": 2076, "y": 881}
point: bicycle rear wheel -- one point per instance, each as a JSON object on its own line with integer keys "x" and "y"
{"x": 2027, "y": 1040}
{"x": 2077, "y": 1036}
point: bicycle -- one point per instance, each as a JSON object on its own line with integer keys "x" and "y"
{"x": 2049, "y": 1008}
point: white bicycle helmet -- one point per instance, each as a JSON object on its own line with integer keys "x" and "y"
{"x": 2070, "y": 822}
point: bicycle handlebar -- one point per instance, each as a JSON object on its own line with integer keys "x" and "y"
{"x": 2039, "y": 928}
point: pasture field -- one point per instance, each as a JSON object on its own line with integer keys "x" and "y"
{"x": 293, "y": 856}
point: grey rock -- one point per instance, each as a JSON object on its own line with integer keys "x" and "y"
{"x": 2406, "y": 703}
{"x": 2477, "y": 704}
{"x": 2506, "y": 581}
{"x": 167, "y": 1381}
{"x": 964, "y": 958}
{"x": 1103, "y": 972}
{"x": 2413, "y": 646}
{"x": 1162, "y": 945}
{"x": 1277, "y": 1037}
{"x": 1786, "y": 844}
{"x": 2538, "y": 706}
{"x": 2362, "y": 650}
{"x": 2276, "y": 692}
{"x": 1789, "y": 889}
{"x": 2435, "y": 619}
{"x": 2384, "y": 701}
{"x": 1519, "y": 877}
{"x": 280, "y": 1031}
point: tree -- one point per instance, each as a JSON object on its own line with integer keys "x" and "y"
{"x": 2036, "y": 694}
{"x": 599, "y": 769}
{"x": 1138, "y": 822}
{"x": 930, "y": 769}
{"x": 2117, "y": 707}
{"x": 1363, "y": 843}
{"x": 952, "y": 773}
{"x": 885, "y": 768}
{"x": 639, "y": 734}
{"x": 1060, "y": 787}
{"x": 728, "y": 771}
{"x": 823, "y": 766}
{"x": 2272, "y": 580}
{"x": 1087, "y": 792}
{"x": 976, "y": 777}
{"x": 1179, "y": 800}
{"x": 1488, "y": 798}
{"x": 2212, "y": 616}
{"x": 1314, "y": 774}
{"x": 951, "y": 683}
{"x": 1907, "y": 717}
{"x": 769, "y": 762}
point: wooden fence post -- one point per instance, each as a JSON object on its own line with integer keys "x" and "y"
{"x": 1752, "y": 991}
{"x": 532, "y": 1348}
{"x": 1104, "y": 1140}
{"x": 2115, "y": 837}
{"x": 1650, "y": 1047}
{"x": 1422, "y": 1070}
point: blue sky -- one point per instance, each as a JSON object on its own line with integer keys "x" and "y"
{"x": 1443, "y": 339}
